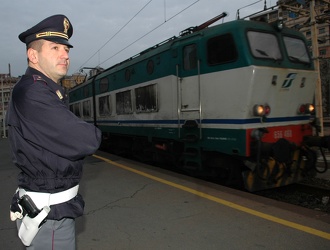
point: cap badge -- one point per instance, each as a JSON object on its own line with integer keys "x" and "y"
{"x": 66, "y": 25}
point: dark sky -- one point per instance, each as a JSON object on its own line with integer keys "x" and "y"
{"x": 109, "y": 31}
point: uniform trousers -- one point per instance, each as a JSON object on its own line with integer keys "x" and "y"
{"x": 54, "y": 235}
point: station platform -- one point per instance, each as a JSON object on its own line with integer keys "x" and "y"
{"x": 134, "y": 206}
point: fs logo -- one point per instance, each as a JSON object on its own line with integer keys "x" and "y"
{"x": 288, "y": 80}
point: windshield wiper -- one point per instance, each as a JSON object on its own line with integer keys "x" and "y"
{"x": 264, "y": 53}
{"x": 296, "y": 59}
{"x": 261, "y": 52}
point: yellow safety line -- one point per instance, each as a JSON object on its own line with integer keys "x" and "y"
{"x": 224, "y": 202}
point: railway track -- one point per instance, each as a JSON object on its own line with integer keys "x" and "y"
{"x": 312, "y": 194}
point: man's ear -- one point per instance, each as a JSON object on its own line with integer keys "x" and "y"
{"x": 32, "y": 55}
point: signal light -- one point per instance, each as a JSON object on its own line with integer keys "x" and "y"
{"x": 267, "y": 110}
{"x": 306, "y": 109}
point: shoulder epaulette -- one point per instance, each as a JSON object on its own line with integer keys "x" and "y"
{"x": 38, "y": 78}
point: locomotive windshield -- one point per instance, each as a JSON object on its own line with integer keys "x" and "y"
{"x": 264, "y": 45}
{"x": 296, "y": 50}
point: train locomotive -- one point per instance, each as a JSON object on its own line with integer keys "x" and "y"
{"x": 232, "y": 101}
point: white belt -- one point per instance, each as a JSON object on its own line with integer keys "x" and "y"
{"x": 47, "y": 199}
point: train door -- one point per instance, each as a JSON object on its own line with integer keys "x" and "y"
{"x": 188, "y": 77}
{"x": 189, "y": 107}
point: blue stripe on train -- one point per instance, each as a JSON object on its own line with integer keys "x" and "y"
{"x": 210, "y": 121}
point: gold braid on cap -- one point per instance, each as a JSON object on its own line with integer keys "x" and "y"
{"x": 52, "y": 33}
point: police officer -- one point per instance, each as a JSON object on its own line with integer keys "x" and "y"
{"x": 48, "y": 142}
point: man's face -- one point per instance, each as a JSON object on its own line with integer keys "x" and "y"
{"x": 52, "y": 60}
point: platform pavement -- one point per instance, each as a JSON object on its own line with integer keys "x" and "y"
{"x": 126, "y": 210}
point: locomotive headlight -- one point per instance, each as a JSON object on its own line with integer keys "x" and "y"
{"x": 261, "y": 110}
{"x": 310, "y": 108}
{"x": 306, "y": 109}
{"x": 258, "y": 110}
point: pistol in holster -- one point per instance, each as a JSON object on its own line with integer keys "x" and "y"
{"x": 33, "y": 219}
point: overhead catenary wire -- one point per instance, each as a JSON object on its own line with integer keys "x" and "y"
{"x": 115, "y": 34}
{"x": 129, "y": 45}
{"x": 149, "y": 32}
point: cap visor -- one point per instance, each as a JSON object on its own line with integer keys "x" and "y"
{"x": 59, "y": 40}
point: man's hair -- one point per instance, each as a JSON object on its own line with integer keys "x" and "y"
{"x": 36, "y": 45}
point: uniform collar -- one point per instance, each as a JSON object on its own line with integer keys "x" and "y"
{"x": 53, "y": 85}
{"x": 32, "y": 71}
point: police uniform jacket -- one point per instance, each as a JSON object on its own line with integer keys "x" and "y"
{"x": 48, "y": 141}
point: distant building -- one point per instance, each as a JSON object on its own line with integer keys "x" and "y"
{"x": 68, "y": 82}
{"x": 296, "y": 14}
{"x": 6, "y": 85}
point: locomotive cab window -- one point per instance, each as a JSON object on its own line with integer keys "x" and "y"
{"x": 221, "y": 49}
{"x": 264, "y": 45}
{"x": 105, "y": 105}
{"x": 146, "y": 99}
{"x": 296, "y": 50}
{"x": 124, "y": 102}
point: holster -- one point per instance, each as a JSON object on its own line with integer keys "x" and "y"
{"x": 30, "y": 226}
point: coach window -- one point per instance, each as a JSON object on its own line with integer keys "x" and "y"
{"x": 146, "y": 98}
{"x": 190, "y": 57}
{"x": 264, "y": 45}
{"x": 104, "y": 85}
{"x": 87, "y": 108}
{"x": 124, "y": 102}
{"x": 76, "y": 109}
{"x": 221, "y": 49}
{"x": 104, "y": 105}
